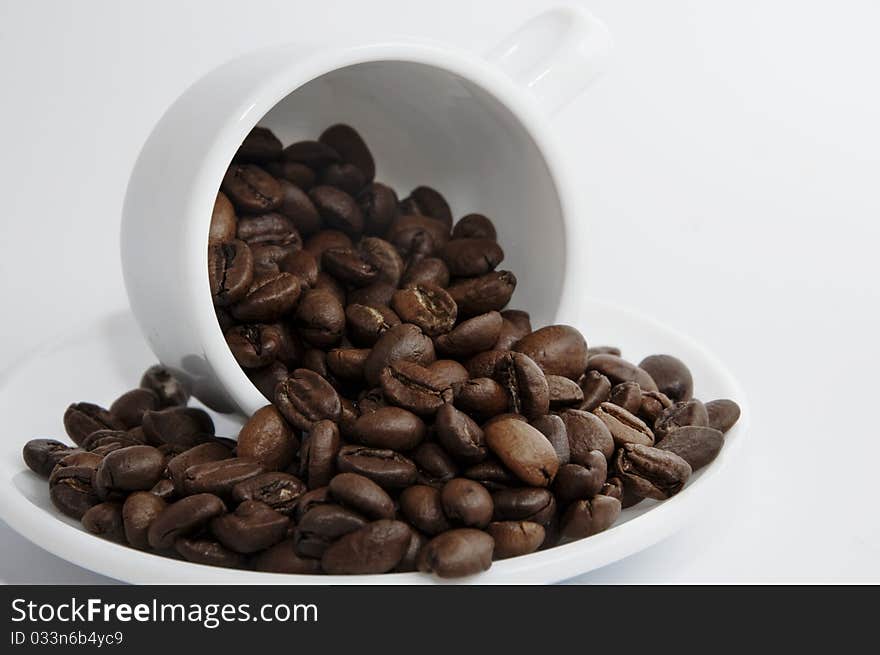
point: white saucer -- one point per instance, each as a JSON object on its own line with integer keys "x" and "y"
{"x": 108, "y": 356}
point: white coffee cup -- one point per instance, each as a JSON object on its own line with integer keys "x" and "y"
{"x": 474, "y": 128}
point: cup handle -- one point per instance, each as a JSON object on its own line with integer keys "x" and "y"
{"x": 555, "y": 55}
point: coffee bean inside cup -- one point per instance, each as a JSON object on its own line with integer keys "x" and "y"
{"x": 414, "y": 419}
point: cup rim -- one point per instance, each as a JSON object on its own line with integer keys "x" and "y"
{"x": 245, "y": 397}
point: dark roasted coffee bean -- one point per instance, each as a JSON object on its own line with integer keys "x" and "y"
{"x": 619, "y": 370}
{"x": 347, "y": 418}
{"x": 383, "y": 256}
{"x": 129, "y": 408}
{"x": 272, "y": 228}
{"x": 391, "y": 428}
{"x": 163, "y": 489}
{"x": 326, "y": 282}
{"x": 456, "y": 553}
{"x": 322, "y": 525}
{"x": 523, "y": 450}
{"x": 162, "y": 382}
{"x": 319, "y": 453}
{"x": 483, "y": 364}
{"x": 219, "y": 477}
{"x": 223, "y": 220}
{"x": 526, "y": 386}
{"x": 627, "y": 395}
{"x": 268, "y": 298}
{"x": 596, "y": 388}
{"x": 430, "y": 308}
{"x": 652, "y": 405}
{"x": 347, "y": 177}
{"x": 266, "y": 378}
{"x": 119, "y": 438}
{"x": 491, "y": 474}
{"x": 376, "y": 548}
{"x": 471, "y": 257}
{"x": 324, "y": 240}
{"x": 388, "y": 469}
{"x": 697, "y": 445}
{"x": 138, "y": 512}
{"x": 478, "y": 295}
{"x": 474, "y": 226}
{"x": 466, "y": 502}
{"x": 252, "y": 527}
{"x": 421, "y": 506}
{"x": 553, "y": 428}
{"x": 586, "y": 432}
{"x": 565, "y": 392}
{"x": 429, "y": 202}
{"x": 349, "y": 266}
{"x": 624, "y": 426}
{"x": 362, "y": 495}
{"x": 320, "y": 318}
{"x": 208, "y": 552}
{"x": 81, "y": 419}
{"x": 283, "y": 558}
{"x": 41, "y": 455}
{"x": 298, "y": 208}
{"x": 260, "y": 145}
{"x": 314, "y": 154}
{"x": 278, "y": 490}
{"x": 557, "y": 349}
{"x": 267, "y": 439}
{"x": 338, "y": 210}
{"x": 604, "y": 350}
{"x": 306, "y": 397}
{"x": 515, "y": 538}
{"x": 577, "y": 481}
{"x": 671, "y": 376}
{"x": 309, "y": 500}
{"x": 370, "y": 400}
{"x": 254, "y": 346}
{"x": 613, "y": 487}
{"x": 413, "y": 387}
{"x": 447, "y": 372}
{"x": 303, "y": 265}
{"x": 650, "y": 472}
{"x": 378, "y": 204}
{"x": 400, "y": 342}
{"x": 105, "y": 520}
{"x": 290, "y": 171}
{"x": 206, "y": 452}
{"x": 435, "y": 465}
{"x": 345, "y": 140}
{"x": 374, "y": 294}
{"x": 584, "y": 518}
{"x": 70, "y": 484}
{"x": 179, "y": 426}
{"x": 426, "y": 270}
{"x": 135, "y": 468}
{"x": 460, "y": 435}
{"x": 251, "y": 189}
{"x": 408, "y": 562}
{"x": 688, "y": 412}
{"x": 722, "y": 414}
{"x": 348, "y": 363}
{"x": 471, "y": 336}
{"x": 186, "y": 516}
{"x": 480, "y": 397}
{"x": 366, "y": 324}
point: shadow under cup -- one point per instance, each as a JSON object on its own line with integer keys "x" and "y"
{"x": 429, "y": 126}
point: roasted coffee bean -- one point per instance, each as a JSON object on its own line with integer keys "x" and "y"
{"x": 267, "y": 439}
{"x": 362, "y": 495}
{"x": 252, "y": 527}
{"x": 651, "y": 472}
{"x": 41, "y": 455}
{"x": 584, "y": 518}
{"x": 391, "y": 428}
{"x": 491, "y": 474}
{"x": 378, "y": 204}
{"x": 319, "y": 453}
{"x": 466, "y": 502}
{"x": 105, "y": 520}
{"x": 208, "y": 552}
{"x": 447, "y": 372}
{"x": 366, "y": 324}
{"x": 400, "y": 342}
{"x": 345, "y": 140}
{"x": 470, "y": 336}
{"x": 409, "y": 561}
{"x": 413, "y": 387}
{"x": 376, "y": 548}
{"x": 283, "y": 558}
{"x": 565, "y": 392}
{"x": 483, "y": 364}
{"x": 586, "y": 432}
{"x": 254, "y": 346}
{"x": 251, "y": 189}
{"x": 138, "y": 512}
{"x": 290, "y": 171}
{"x": 652, "y": 406}
{"x": 162, "y": 382}
{"x": 388, "y": 469}
{"x": 478, "y": 295}
{"x": 553, "y": 428}
{"x": 619, "y": 370}
{"x": 70, "y": 484}
{"x": 349, "y": 266}
{"x": 268, "y": 298}
{"x": 422, "y": 507}
{"x": 429, "y": 202}
{"x": 471, "y": 257}
{"x": 370, "y": 400}
{"x": 219, "y": 477}
{"x": 178, "y": 426}
{"x": 348, "y": 363}
{"x": 347, "y": 177}
{"x": 266, "y": 378}
{"x": 627, "y": 395}
{"x": 348, "y": 416}
{"x": 320, "y": 318}
{"x": 278, "y": 490}
{"x": 455, "y": 553}
{"x": 270, "y": 228}
{"x": 515, "y": 538}
{"x": 223, "y": 220}
{"x": 722, "y": 414}
{"x": 163, "y": 489}
{"x": 303, "y": 265}
{"x": 523, "y": 450}
{"x": 557, "y": 349}
{"x": 101, "y": 439}
{"x": 624, "y": 426}
{"x": 688, "y": 412}
{"x": 426, "y": 270}
{"x": 474, "y": 226}
{"x": 129, "y": 408}
{"x": 260, "y": 145}
{"x": 316, "y": 361}
{"x": 375, "y": 294}
{"x": 430, "y": 308}
{"x": 186, "y": 516}
{"x": 460, "y": 435}
{"x": 577, "y": 482}
{"x": 322, "y": 525}
{"x": 81, "y": 419}
{"x": 338, "y": 210}
{"x": 314, "y": 154}
{"x": 324, "y": 240}
{"x": 596, "y": 388}
{"x": 206, "y": 452}
{"x": 309, "y": 500}
{"x": 671, "y": 376}
{"x": 697, "y": 445}
{"x": 480, "y": 397}
{"x": 135, "y": 468}
{"x": 306, "y": 397}
{"x": 383, "y": 256}
{"x": 435, "y": 465}
{"x": 298, "y": 208}
{"x": 613, "y": 487}
{"x": 604, "y": 350}
{"x": 526, "y": 386}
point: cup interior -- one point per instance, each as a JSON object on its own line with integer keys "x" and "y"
{"x": 427, "y": 125}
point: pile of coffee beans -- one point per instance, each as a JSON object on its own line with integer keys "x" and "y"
{"x": 414, "y": 422}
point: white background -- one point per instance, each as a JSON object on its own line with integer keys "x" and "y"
{"x": 729, "y": 163}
